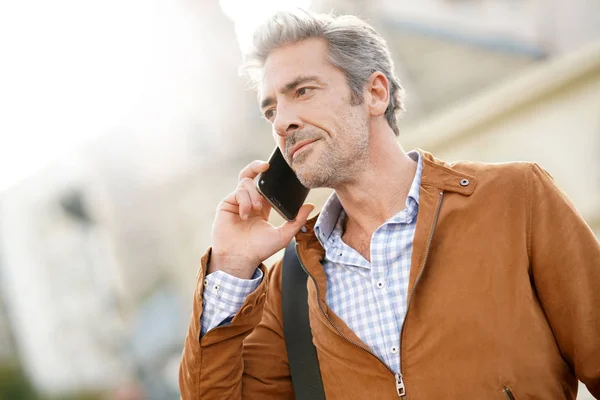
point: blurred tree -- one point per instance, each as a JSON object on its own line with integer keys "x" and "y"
{"x": 14, "y": 384}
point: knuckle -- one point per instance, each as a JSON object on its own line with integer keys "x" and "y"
{"x": 241, "y": 185}
{"x": 248, "y": 184}
{"x": 242, "y": 194}
{"x": 228, "y": 198}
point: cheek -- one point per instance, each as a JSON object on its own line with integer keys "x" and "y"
{"x": 322, "y": 116}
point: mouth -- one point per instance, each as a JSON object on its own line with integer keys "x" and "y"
{"x": 300, "y": 146}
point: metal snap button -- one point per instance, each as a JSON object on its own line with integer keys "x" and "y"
{"x": 464, "y": 182}
{"x": 303, "y": 229}
{"x": 247, "y": 310}
{"x": 261, "y": 299}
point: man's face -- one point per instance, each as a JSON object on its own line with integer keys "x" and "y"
{"x": 308, "y": 102}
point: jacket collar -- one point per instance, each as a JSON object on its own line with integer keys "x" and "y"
{"x": 436, "y": 173}
{"x": 441, "y": 175}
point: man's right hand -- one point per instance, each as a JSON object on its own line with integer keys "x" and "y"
{"x": 242, "y": 236}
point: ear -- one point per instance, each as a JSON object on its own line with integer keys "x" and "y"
{"x": 378, "y": 93}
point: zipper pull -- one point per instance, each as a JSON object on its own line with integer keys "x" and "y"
{"x": 400, "y": 386}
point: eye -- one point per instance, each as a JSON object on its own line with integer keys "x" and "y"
{"x": 303, "y": 91}
{"x": 269, "y": 114}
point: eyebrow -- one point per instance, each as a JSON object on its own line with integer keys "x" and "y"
{"x": 288, "y": 87}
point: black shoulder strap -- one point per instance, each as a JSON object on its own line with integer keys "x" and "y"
{"x": 302, "y": 354}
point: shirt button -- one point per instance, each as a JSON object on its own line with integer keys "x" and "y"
{"x": 380, "y": 284}
{"x": 394, "y": 349}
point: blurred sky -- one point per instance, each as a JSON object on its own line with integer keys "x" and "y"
{"x": 72, "y": 71}
{"x": 62, "y": 89}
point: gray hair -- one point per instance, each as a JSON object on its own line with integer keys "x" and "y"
{"x": 354, "y": 47}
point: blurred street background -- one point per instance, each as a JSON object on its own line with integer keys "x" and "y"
{"x": 123, "y": 123}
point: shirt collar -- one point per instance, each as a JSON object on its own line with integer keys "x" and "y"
{"x": 332, "y": 210}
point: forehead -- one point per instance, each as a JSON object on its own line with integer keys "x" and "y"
{"x": 283, "y": 65}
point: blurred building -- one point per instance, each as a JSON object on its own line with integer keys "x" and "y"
{"x": 61, "y": 287}
{"x": 549, "y": 114}
{"x": 448, "y": 50}
{"x": 95, "y": 249}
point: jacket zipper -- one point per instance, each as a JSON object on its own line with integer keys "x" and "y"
{"x": 508, "y": 393}
{"x": 412, "y": 292}
{"x": 400, "y": 389}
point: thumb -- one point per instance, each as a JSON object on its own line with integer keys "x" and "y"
{"x": 290, "y": 228}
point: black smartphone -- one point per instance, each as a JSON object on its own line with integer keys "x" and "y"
{"x": 281, "y": 187}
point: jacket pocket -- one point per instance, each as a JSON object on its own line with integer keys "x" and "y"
{"x": 508, "y": 393}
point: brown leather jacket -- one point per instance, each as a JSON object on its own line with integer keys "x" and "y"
{"x": 504, "y": 302}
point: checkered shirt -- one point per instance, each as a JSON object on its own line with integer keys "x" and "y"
{"x": 223, "y": 297}
{"x": 371, "y": 297}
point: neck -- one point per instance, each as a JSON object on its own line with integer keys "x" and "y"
{"x": 380, "y": 189}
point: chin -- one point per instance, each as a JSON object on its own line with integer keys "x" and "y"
{"x": 305, "y": 175}
{"x": 313, "y": 177}
{"x": 310, "y": 171}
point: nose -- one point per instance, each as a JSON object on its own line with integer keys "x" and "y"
{"x": 286, "y": 121}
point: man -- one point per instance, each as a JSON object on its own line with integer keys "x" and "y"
{"x": 428, "y": 280}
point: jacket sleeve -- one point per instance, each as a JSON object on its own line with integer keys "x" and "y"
{"x": 565, "y": 263}
{"x": 223, "y": 296}
{"x": 246, "y": 359}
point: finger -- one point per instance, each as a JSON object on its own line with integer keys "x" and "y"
{"x": 265, "y": 210}
{"x": 230, "y": 203}
{"x": 243, "y": 199}
{"x": 253, "y": 169}
{"x": 255, "y": 197}
{"x": 290, "y": 228}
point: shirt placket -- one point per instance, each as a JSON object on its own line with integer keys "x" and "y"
{"x": 381, "y": 284}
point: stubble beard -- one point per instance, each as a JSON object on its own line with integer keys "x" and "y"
{"x": 339, "y": 161}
